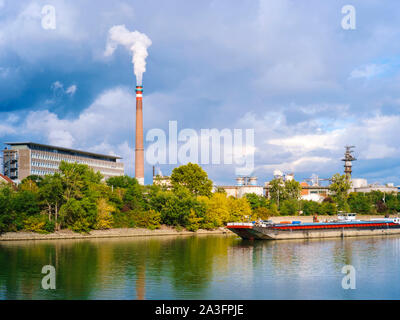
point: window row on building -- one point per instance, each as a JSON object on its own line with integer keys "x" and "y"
{"x": 44, "y": 165}
{"x": 41, "y": 172}
{"x": 101, "y": 164}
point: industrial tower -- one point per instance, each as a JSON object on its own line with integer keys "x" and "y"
{"x": 139, "y": 150}
{"x": 348, "y": 159}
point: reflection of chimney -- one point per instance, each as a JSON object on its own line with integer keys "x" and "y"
{"x": 139, "y": 150}
{"x": 141, "y": 281}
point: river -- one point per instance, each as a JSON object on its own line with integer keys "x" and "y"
{"x": 201, "y": 267}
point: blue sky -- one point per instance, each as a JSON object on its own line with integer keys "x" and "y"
{"x": 285, "y": 68}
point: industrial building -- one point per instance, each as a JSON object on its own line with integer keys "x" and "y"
{"x": 361, "y": 185}
{"x": 313, "y": 191}
{"x": 163, "y": 181}
{"x": 23, "y": 159}
{"x": 244, "y": 185}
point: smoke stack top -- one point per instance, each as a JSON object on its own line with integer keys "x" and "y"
{"x": 134, "y": 41}
{"x": 139, "y": 91}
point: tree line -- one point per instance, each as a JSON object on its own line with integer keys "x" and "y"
{"x": 285, "y": 199}
{"x": 79, "y": 199}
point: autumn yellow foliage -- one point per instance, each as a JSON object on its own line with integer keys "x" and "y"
{"x": 239, "y": 209}
{"x": 221, "y": 209}
{"x": 104, "y": 214}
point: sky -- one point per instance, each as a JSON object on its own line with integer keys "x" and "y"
{"x": 285, "y": 68}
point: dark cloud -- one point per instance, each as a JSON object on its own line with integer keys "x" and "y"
{"x": 284, "y": 68}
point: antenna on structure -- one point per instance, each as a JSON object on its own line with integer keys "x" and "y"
{"x": 348, "y": 159}
{"x": 315, "y": 180}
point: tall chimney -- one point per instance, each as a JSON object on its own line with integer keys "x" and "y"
{"x": 139, "y": 150}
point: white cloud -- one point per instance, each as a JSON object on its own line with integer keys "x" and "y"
{"x": 368, "y": 71}
{"x": 300, "y": 165}
{"x": 309, "y": 142}
{"x": 6, "y": 129}
{"x": 12, "y": 118}
{"x": 302, "y": 148}
{"x": 61, "y": 138}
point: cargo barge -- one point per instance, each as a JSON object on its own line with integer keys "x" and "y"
{"x": 345, "y": 225}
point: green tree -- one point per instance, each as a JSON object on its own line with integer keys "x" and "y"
{"x": 289, "y": 207}
{"x": 192, "y": 177}
{"x": 292, "y": 190}
{"x": 51, "y": 196}
{"x": 28, "y": 185}
{"x": 256, "y": 201}
{"x": 8, "y": 219}
{"x": 121, "y": 182}
{"x": 310, "y": 207}
{"x": 277, "y": 191}
{"x": 77, "y": 215}
{"x": 360, "y": 203}
{"x": 281, "y": 191}
{"x": 26, "y": 203}
{"x": 339, "y": 187}
{"x": 273, "y": 210}
{"x": 328, "y": 208}
{"x": 77, "y": 179}
{"x": 392, "y": 203}
{"x": 134, "y": 198}
{"x": 146, "y": 219}
{"x": 175, "y": 207}
{"x": 32, "y": 178}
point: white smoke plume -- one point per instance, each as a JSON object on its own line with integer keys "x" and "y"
{"x": 134, "y": 41}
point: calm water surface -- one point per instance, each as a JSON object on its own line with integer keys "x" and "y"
{"x": 202, "y": 267}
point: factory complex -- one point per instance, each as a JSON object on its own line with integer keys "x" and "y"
{"x": 314, "y": 188}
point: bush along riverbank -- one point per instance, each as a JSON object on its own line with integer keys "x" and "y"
{"x": 78, "y": 199}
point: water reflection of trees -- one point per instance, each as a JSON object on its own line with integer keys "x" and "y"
{"x": 87, "y": 267}
{"x": 171, "y": 267}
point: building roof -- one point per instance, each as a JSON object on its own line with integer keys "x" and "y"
{"x": 5, "y": 178}
{"x": 63, "y": 149}
{"x": 236, "y": 187}
{"x": 315, "y": 187}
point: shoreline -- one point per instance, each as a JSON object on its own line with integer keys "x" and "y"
{"x": 110, "y": 233}
{"x": 141, "y": 232}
